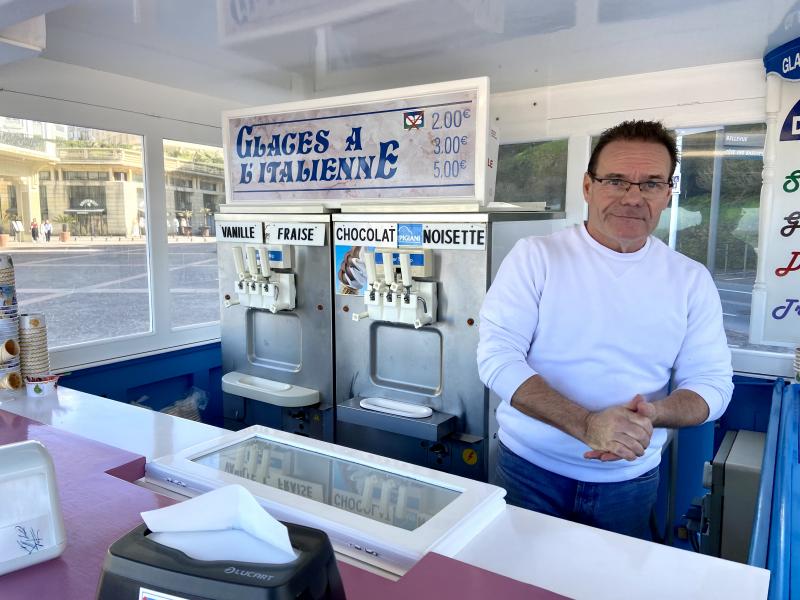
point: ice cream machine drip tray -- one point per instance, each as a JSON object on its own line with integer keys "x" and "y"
{"x": 267, "y": 390}
{"x": 432, "y": 428}
{"x": 393, "y": 407}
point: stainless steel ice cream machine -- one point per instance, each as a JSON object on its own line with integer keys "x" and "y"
{"x": 277, "y": 338}
{"x": 409, "y": 289}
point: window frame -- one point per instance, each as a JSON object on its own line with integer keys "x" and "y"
{"x": 153, "y": 130}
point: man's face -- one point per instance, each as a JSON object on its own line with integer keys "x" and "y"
{"x": 623, "y": 222}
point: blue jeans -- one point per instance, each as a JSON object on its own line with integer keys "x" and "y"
{"x": 622, "y": 507}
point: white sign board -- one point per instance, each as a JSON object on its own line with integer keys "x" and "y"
{"x": 776, "y": 297}
{"x": 296, "y": 234}
{"x": 426, "y": 143}
{"x": 240, "y": 231}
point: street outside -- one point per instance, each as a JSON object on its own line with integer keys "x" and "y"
{"x": 99, "y": 290}
{"x": 736, "y": 293}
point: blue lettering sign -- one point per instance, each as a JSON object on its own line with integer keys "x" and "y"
{"x": 790, "y": 131}
{"x": 784, "y": 60}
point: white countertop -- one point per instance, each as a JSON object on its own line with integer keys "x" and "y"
{"x": 584, "y": 562}
{"x": 567, "y": 558}
{"x": 149, "y": 433}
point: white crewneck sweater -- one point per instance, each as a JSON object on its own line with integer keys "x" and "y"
{"x": 600, "y": 327}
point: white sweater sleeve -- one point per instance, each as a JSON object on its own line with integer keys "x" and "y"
{"x": 703, "y": 364}
{"x": 508, "y": 319}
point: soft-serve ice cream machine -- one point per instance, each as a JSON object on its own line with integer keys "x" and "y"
{"x": 409, "y": 288}
{"x": 277, "y": 337}
{"x": 412, "y": 171}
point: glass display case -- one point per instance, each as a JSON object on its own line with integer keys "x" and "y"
{"x": 377, "y": 510}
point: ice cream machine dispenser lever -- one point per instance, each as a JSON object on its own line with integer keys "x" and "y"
{"x": 410, "y": 300}
{"x": 259, "y": 284}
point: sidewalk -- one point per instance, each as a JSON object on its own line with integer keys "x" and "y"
{"x": 78, "y": 241}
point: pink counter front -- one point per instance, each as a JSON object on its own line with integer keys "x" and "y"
{"x": 100, "y": 503}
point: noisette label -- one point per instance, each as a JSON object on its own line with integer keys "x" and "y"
{"x": 296, "y": 234}
{"x": 240, "y": 231}
{"x": 456, "y": 236}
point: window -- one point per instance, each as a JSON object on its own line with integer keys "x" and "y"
{"x": 87, "y": 205}
{"x": 120, "y": 176}
{"x": 194, "y": 288}
{"x": 533, "y": 172}
{"x": 713, "y": 215}
{"x": 12, "y": 199}
{"x": 87, "y": 196}
{"x": 715, "y": 211}
{"x": 183, "y": 202}
{"x": 181, "y": 182}
{"x": 90, "y": 281}
{"x": 86, "y": 176}
{"x": 211, "y": 207}
{"x": 43, "y": 202}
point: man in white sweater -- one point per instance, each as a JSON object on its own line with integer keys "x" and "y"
{"x": 581, "y": 333}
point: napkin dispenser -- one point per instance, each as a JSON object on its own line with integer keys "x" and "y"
{"x": 137, "y": 567}
{"x": 31, "y": 525}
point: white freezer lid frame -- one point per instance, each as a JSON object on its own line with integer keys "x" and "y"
{"x": 447, "y": 531}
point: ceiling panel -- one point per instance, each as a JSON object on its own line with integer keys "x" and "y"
{"x": 248, "y": 48}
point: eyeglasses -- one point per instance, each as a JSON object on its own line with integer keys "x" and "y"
{"x": 614, "y": 186}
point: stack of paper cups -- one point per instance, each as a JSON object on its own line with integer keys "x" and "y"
{"x": 6, "y": 270}
{"x": 10, "y": 377}
{"x": 35, "y": 360}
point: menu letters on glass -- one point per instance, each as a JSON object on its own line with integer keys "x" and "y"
{"x": 378, "y": 495}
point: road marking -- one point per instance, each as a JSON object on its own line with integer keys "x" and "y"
{"x": 103, "y": 285}
{"x": 74, "y": 254}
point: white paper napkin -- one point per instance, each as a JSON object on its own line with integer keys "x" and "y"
{"x": 224, "y": 524}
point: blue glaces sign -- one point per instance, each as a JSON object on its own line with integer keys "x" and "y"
{"x": 409, "y": 234}
{"x": 784, "y": 60}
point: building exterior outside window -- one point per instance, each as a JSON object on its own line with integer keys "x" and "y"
{"x": 82, "y": 269}
{"x": 195, "y": 189}
{"x": 93, "y": 180}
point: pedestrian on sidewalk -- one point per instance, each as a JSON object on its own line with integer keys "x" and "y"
{"x": 47, "y": 228}
{"x": 34, "y": 231}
